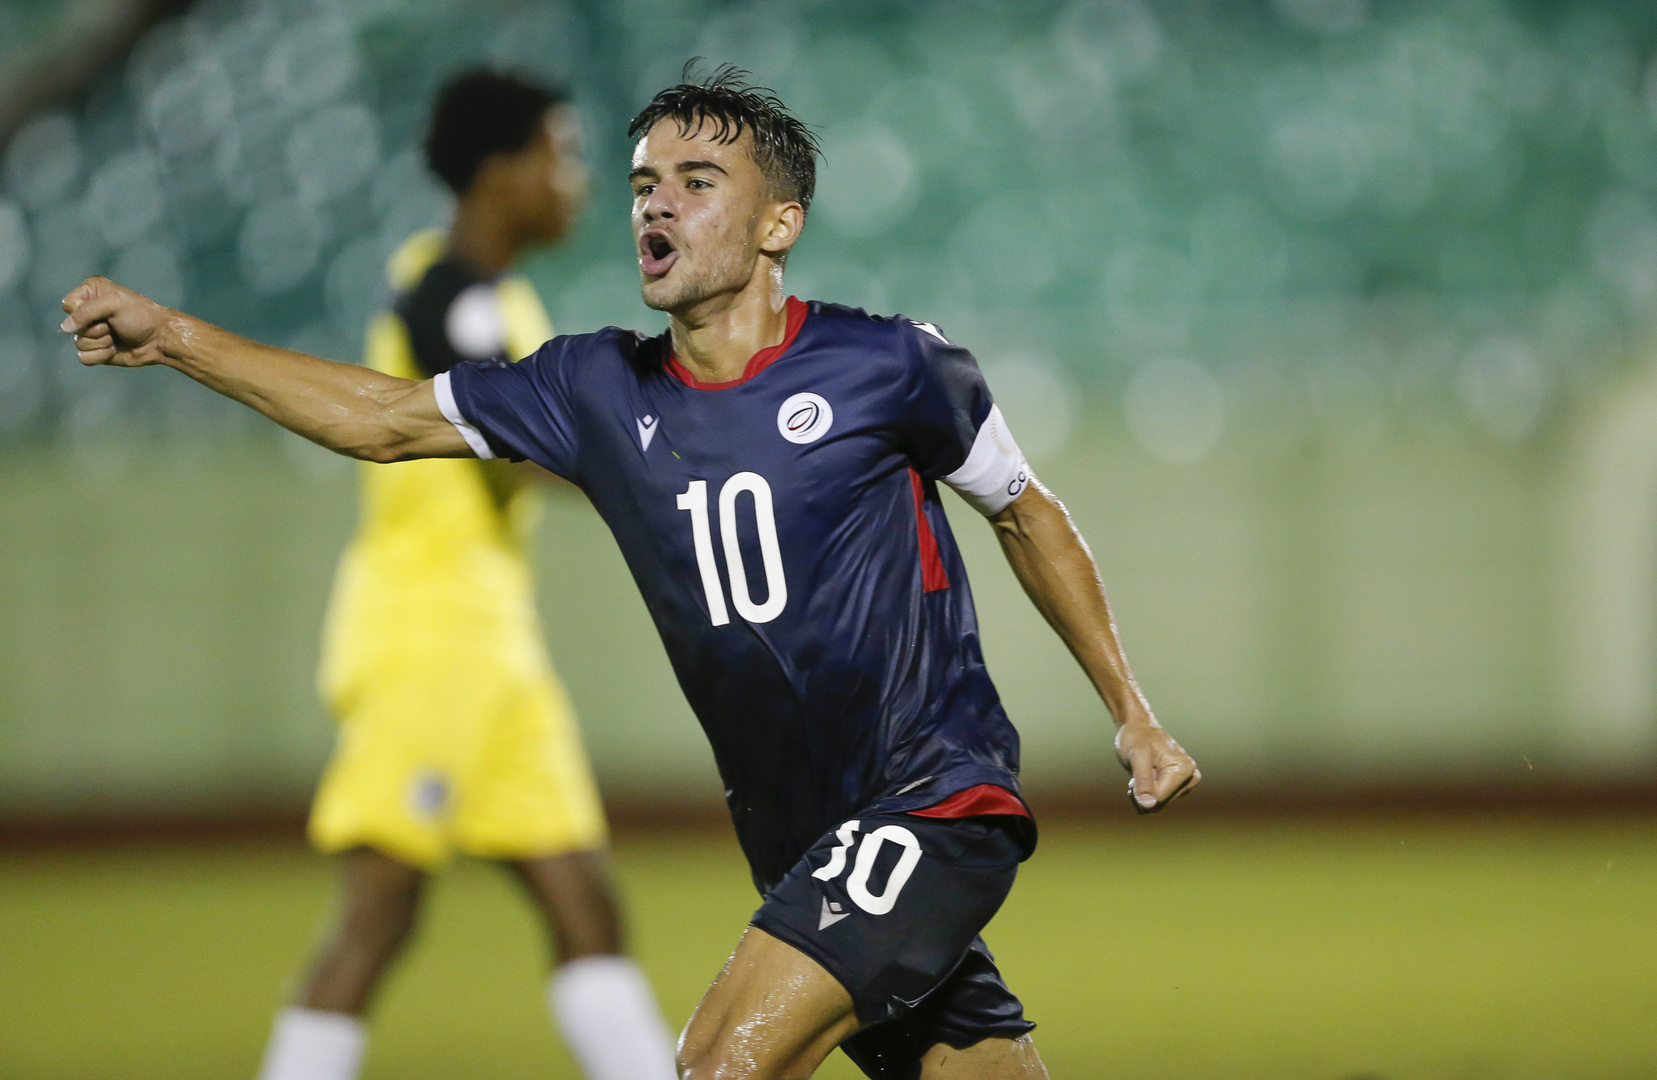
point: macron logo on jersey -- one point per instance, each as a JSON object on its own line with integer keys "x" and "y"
{"x": 831, "y": 914}
{"x": 647, "y": 431}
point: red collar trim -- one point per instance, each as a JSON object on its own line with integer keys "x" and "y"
{"x": 757, "y": 363}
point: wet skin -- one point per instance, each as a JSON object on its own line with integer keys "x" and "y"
{"x": 775, "y": 1014}
{"x": 712, "y": 237}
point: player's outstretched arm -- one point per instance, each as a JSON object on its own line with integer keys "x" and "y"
{"x": 348, "y": 409}
{"x": 1053, "y": 563}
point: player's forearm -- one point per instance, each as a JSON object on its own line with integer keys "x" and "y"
{"x": 1053, "y": 563}
{"x": 348, "y": 409}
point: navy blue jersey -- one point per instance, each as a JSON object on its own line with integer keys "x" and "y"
{"x": 786, "y": 534}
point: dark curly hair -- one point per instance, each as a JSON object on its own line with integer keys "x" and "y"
{"x": 784, "y": 148}
{"x": 480, "y": 113}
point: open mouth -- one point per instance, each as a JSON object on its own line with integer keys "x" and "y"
{"x": 656, "y": 253}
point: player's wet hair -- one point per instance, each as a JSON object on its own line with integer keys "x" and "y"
{"x": 724, "y": 105}
{"x": 480, "y": 113}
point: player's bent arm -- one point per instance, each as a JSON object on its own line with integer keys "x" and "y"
{"x": 1053, "y": 563}
{"x": 1057, "y": 570}
{"x": 349, "y": 409}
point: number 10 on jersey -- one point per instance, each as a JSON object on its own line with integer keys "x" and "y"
{"x": 695, "y": 500}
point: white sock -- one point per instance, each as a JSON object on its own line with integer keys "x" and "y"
{"x": 307, "y": 1044}
{"x": 607, "y": 1014}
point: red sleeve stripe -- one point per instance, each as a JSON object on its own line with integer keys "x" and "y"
{"x": 933, "y": 574}
{"x": 974, "y": 801}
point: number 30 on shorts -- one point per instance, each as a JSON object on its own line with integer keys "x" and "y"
{"x": 857, "y": 885}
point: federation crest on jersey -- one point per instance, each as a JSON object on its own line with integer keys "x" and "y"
{"x": 804, "y": 418}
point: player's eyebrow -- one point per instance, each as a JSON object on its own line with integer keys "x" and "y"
{"x": 693, "y": 166}
{"x": 648, "y": 173}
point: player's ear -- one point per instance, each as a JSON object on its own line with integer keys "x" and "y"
{"x": 782, "y": 227}
{"x": 493, "y": 178}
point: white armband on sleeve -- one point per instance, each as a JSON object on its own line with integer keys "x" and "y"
{"x": 451, "y": 412}
{"x": 994, "y": 473}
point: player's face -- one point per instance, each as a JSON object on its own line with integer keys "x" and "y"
{"x": 549, "y": 177}
{"x": 702, "y": 216}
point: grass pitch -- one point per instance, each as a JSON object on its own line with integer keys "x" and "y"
{"x": 1450, "y": 949}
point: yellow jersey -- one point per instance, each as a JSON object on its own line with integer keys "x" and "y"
{"x": 455, "y": 733}
{"x": 441, "y": 545}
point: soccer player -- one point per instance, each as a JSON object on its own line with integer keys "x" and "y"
{"x": 769, "y": 469}
{"x": 455, "y": 734}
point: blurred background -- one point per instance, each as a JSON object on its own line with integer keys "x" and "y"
{"x": 1331, "y": 321}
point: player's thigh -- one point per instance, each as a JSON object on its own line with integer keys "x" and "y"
{"x": 992, "y": 1059}
{"x": 773, "y": 1013}
{"x": 576, "y": 897}
{"x": 379, "y": 896}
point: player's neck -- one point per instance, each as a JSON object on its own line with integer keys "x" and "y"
{"x": 716, "y": 338}
{"x": 484, "y": 238}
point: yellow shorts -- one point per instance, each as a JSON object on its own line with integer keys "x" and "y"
{"x": 443, "y": 753}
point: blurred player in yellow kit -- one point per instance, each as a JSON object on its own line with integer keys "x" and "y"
{"x": 455, "y": 735}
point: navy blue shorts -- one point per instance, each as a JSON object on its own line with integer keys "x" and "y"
{"x": 891, "y": 905}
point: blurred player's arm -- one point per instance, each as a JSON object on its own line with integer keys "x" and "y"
{"x": 349, "y": 409}
{"x": 1053, "y": 563}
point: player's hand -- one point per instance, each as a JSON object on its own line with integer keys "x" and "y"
{"x": 1161, "y": 769}
{"x": 114, "y": 325}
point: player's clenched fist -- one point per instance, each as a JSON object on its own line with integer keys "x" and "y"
{"x": 114, "y": 325}
{"x": 1162, "y": 770}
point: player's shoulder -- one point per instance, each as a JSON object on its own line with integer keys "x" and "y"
{"x": 610, "y": 351}
{"x": 901, "y": 334}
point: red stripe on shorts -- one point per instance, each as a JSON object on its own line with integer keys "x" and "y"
{"x": 983, "y": 799}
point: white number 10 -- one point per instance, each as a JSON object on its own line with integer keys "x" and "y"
{"x": 695, "y": 499}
